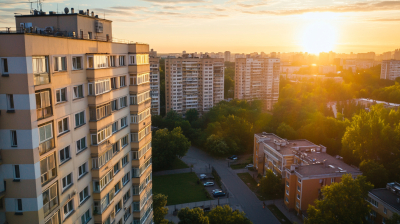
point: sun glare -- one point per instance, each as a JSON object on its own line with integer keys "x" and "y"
{"x": 319, "y": 35}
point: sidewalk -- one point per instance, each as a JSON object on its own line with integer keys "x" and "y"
{"x": 281, "y": 206}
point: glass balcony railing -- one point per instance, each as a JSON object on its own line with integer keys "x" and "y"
{"x": 46, "y": 146}
{"x": 44, "y": 112}
{"x": 41, "y": 79}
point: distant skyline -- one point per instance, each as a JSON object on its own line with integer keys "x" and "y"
{"x": 243, "y": 26}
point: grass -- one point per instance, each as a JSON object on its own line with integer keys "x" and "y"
{"x": 239, "y": 166}
{"x": 278, "y": 214}
{"x": 178, "y": 164}
{"x": 180, "y": 188}
{"x": 252, "y": 184}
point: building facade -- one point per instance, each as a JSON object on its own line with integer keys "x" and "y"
{"x": 384, "y": 203}
{"x": 303, "y": 166}
{"x": 75, "y": 122}
{"x": 390, "y": 69}
{"x": 193, "y": 83}
{"x": 257, "y": 78}
{"x": 155, "y": 82}
{"x": 227, "y": 56}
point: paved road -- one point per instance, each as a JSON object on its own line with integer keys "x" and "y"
{"x": 239, "y": 192}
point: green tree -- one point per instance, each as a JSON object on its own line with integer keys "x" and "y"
{"x": 159, "y": 203}
{"x": 271, "y": 185}
{"x": 286, "y": 131}
{"x": 395, "y": 219}
{"x": 342, "y": 202}
{"x": 167, "y": 145}
{"x": 216, "y": 145}
{"x": 192, "y": 115}
{"x": 192, "y": 216}
{"x": 225, "y": 215}
{"x": 375, "y": 173}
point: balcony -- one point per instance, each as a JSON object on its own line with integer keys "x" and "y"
{"x": 41, "y": 79}
{"x": 43, "y": 113}
{"x": 46, "y": 146}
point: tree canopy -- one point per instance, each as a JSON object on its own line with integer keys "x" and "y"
{"x": 192, "y": 216}
{"x": 272, "y": 185}
{"x": 159, "y": 203}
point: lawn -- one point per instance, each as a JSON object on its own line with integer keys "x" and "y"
{"x": 180, "y": 188}
{"x": 239, "y": 166}
{"x": 252, "y": 184}
{"x": 178, "y": 164}
{"x": 278, "y": 214}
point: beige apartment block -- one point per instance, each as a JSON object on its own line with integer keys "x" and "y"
{"x": 257, "y": 78}
{"x": 193, "y": 83}
{"x": 384, "y": 203}
{"x": 75, "y": 120}
{"x": 390, "y": 69}
{"x": 155, "y": 82}
{"x": 304, "y": 167}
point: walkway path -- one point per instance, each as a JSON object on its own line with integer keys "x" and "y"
{"x": 239, "y": 192}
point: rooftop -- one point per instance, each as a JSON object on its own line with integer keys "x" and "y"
{"x": 390, "y": 195}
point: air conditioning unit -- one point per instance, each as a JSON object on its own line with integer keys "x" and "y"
{"x": 22, "y": 26}
{"x": 49, "y": 29}
{"x": 72, "y": 194}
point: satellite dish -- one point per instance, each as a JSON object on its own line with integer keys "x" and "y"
{"x": 66, "y": 10}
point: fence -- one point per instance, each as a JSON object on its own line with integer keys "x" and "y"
{"x": 201, "y": 204}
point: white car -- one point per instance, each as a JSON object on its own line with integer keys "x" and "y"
{"x": 206, "y": 184}
{"x": 216, "y": 190}
{"x": 249, "y": 166}
{"x": 203, "y": 176}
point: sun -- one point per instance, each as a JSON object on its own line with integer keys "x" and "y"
{"x": 319, "y": 35}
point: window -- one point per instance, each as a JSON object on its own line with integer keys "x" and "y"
{"x": 18, "y": 205}
{"x": 50, "y": 200}
{"x": 61, "y": 95}
{"x": 78, "y": 92}
{"x": 105, "y": 180}
{"x": 82, "y": 170}
{"x": 384, "y": 210}
{"x": 122, "y": 102}
{"x": 76, "y": 63}
{"x": 10, "y": 102}
{"x": 112, "y": 61}
{"x": 127, "y": 213}
{"x": 121, "y": 81}
{"x": 80, "y": 119}
{"x": 125, "y": 179}
{"x": 117, "y": 187}
{"x": 115, "y": 127}
{"x": 48, "y": 168}
{"x": 102, "y": 135}
{"x": 118, "y": 207}
{"x": 287, "y": 192}
{"x": 114, "y": 105}
{"x": 96, "y": 186}
{"x": 67, "y": 181}
{"x": 287, "y": 199}
{"x": 298, "y": 196}
{"x": 299, "y": 180}
{"x": 113, "y": 83}
{"x": 124, "y": 141}
{"x": 121, "y": 60}
{"x": 60, "y": 64}
{"x": 39, "y": 65}
{"x": 43, "y": 104}
{"x": 124, "y": 160}
{"x": 63, "y": 125}
{"x": 84, "y": 194}
{"x": 127, "y": 196}
{"x": 383, "y": 221}
{"x": 14, "y": 142}
{"x": 131, "y": 60}
{"x": 116, "y": 168}
{"x": 45, "y": 132}
{"x": 124, "y": 122}
{"x": 68, "y": 208}
{"x": 102, "y": 86}
{"x": 17, "y": 174}
{"x": 90, "y": 89}
{"x": 90, "y": 62}
{"x": 90, "y": 35}
{"x": 81, "y": 144}
{"x": 298, "y": 188}
{"x": 85, "y": 218}
{"x": 4, "y": 66}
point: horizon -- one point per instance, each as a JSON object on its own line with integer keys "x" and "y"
{"x": 243, "y": 26}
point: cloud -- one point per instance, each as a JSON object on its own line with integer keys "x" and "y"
{"x": 355, "y": 7}
{"x": 385, "y": 20}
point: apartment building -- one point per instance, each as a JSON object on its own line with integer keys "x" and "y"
{"x": 155, "y": 82}
{"x": 384, "y": 203}
{"x": 193, "y": 83}
{"x": 257, "y": 78}
{"x": 390, "y": 69}
{"x": 304, "y": 167}
{"x": 75, "y": 136}
{"x": 227, "y": 56}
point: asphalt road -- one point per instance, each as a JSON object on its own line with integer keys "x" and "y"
{"x": 239, "y": 192}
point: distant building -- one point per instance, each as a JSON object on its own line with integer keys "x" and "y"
{"x": 227, "y": 56}
{"x": 326, "y": 69}
{"x": 193, "y": 83}
{"x": 368, "y": 56}
{"x": 390, "y": 69}
{"x": 288, "y": 70}
{"x": 304, "y": 167}
{"x": 385, "y": 202}
{"x": 154, "y": 82}
{"x": 307, "y": 78}
{"x": 257, "y": 78}
{"x": 355, "y": 64}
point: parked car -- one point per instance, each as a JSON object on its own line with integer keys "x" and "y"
{"x": 216, "y": 190}
{"x": 218, "y": 194}
{"x": 249, "y": 166}
{"x": 206, "y": 184}
{"x": 203, "y": 176}
{"x": 234, "y": 157}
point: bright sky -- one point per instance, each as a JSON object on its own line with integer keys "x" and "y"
{"x": 241, "y": 25}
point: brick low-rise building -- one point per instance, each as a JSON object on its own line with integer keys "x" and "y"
{"x": 384, "y": 203}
